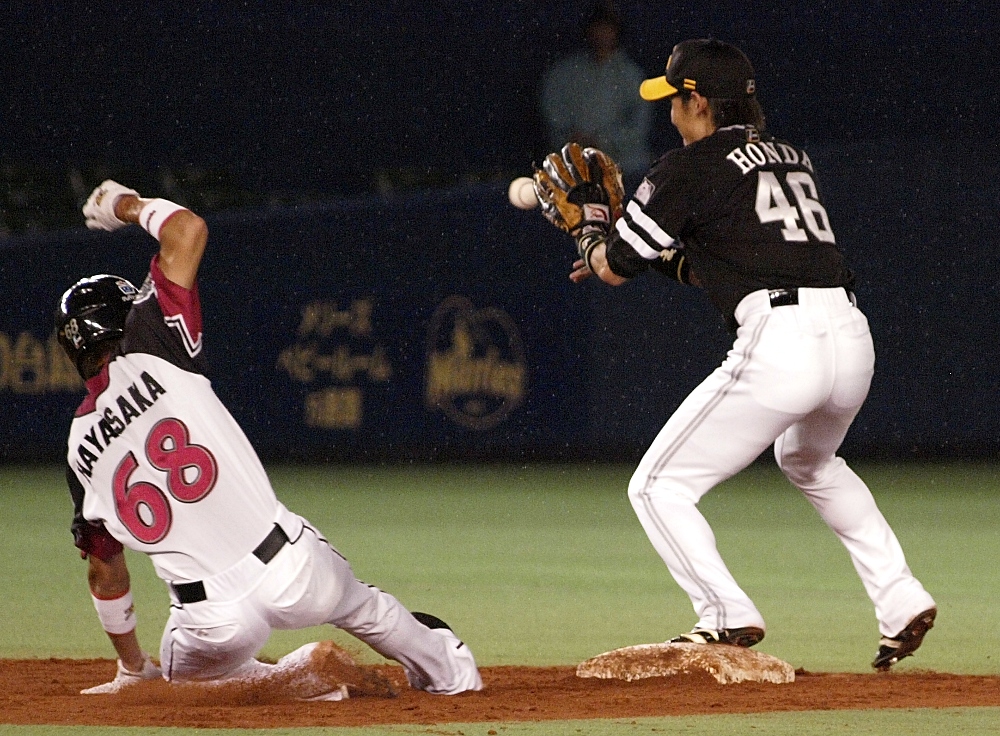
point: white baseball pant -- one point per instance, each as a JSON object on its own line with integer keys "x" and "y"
{"x": 796, "y": 376}
{"x": 307, "y": 583}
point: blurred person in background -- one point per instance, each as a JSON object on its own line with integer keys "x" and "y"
{"x": 589, "y": 97}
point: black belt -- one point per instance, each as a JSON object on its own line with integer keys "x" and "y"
{"x": 273, "y": 542}
{"x": 783, "y": 297}
{"x": 788, "y": 297}
{"x": 265, "y": 552}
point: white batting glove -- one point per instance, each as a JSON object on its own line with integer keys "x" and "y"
{"x": 125, "y": 678}
{"x": 100, "y": 208}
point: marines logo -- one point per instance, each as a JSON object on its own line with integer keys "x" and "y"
{"x": 475, "y": 364}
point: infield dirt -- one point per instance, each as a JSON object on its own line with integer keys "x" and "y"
{"x": 46, "y": 691}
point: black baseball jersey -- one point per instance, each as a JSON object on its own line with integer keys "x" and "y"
{"x": 744, "y": 210}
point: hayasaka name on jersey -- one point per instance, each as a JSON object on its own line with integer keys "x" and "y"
{"x": 112, "y": 424}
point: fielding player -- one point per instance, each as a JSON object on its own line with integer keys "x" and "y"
{"x": 158, "y": 465}
{"x": 740, "y": 214}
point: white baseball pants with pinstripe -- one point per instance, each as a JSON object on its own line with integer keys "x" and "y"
{"x": 796, "y": 376}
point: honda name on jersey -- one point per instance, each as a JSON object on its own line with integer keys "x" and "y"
{"x": 762, "y": 153}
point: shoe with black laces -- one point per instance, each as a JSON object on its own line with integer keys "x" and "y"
{"x": 745, "y": 637}
{"x": 906, "y": 642}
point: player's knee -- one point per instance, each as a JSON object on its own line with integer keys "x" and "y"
{"x": 644, "y": 487}
{"x": 793, "y": 467}
{"x": 804, "y": 470}
{"x": 638, "y": 485}
{"x": 210, "y": 651}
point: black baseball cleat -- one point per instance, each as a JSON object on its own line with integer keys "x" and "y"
{"x": 430, "y": 621}
{"x": 745, "y": 637}
{"x": 906, "y": 642}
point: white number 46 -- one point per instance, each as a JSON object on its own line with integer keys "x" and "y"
{"x": 773, "y": 206}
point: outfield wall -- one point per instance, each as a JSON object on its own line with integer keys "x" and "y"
{"x": 443, "y": 324}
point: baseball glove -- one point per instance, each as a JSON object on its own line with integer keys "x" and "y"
{"x": 580, "y": 189}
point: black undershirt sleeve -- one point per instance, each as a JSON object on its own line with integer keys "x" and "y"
{"x": 677, "y": 268}
{"x": 625, "y": 262}
{"x": 622, "y": 258}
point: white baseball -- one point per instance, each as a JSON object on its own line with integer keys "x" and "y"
{"x": 522, "y": 193}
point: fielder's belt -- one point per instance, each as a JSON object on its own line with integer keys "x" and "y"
{"x": 789, "y": 297}
{"x": 194, "y": 592}
{"x": 783, "y": 297}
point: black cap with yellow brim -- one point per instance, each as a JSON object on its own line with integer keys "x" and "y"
{"x": 706, "y": 66}
{"x": 657, "y": 89}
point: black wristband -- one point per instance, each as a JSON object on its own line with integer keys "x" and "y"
{"x": 587, "y": 242}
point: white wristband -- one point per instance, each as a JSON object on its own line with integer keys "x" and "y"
{"x": 156, "y": 212}
{"x": 117, "y": 615}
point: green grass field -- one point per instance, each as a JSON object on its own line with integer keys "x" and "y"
{"x": 546, "y": 564}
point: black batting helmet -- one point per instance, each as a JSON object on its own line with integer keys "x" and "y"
{"x": 92, "y": 311}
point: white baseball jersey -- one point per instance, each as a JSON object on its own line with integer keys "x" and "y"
{"x": 158, "y": 458}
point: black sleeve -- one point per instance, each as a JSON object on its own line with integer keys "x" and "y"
{"x": 677, "y": 267}
{"x": 622, "y": 258}
{"x": 625, "y": 262}
{"x": 146, "y": 331}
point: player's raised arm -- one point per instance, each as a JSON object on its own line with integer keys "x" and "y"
{"x": 182, "y": 234}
